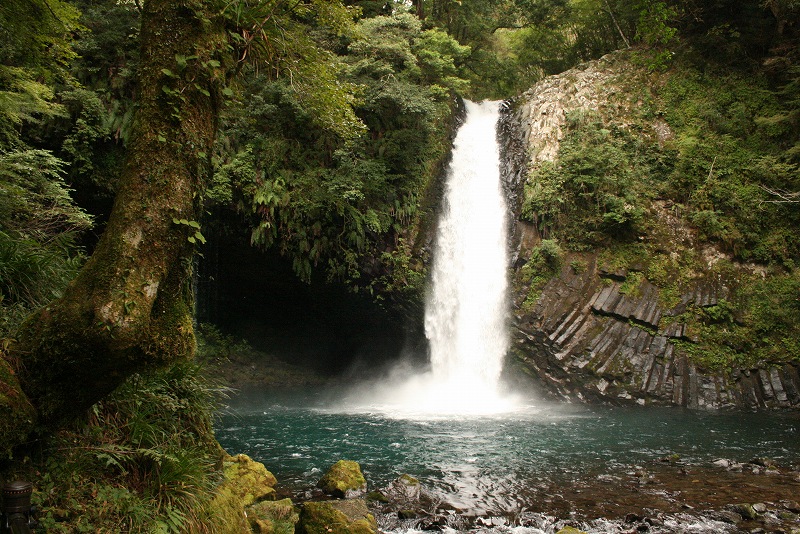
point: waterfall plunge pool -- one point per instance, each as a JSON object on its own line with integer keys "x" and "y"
{"x": 497, "y": 471}
{"x": 565, "y": 460}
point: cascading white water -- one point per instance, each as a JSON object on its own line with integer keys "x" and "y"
{"x": 465, "y": 317}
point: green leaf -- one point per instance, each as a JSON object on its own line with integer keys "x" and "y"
{"x": 191, "y": 240}
{"x": 227, "y": 91}
{"x": 200, "y": 237}
{"x": 194, "y": 224}
{"x": 204, "y": 91}
{"x": 169, "y": 73}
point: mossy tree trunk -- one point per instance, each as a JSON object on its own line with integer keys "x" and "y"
{"x": 130, "y": 306}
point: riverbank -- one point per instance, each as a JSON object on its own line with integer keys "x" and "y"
{"x": 665, "y": 496}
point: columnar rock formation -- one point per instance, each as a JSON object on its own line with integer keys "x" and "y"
{"x": 586, "y": 337}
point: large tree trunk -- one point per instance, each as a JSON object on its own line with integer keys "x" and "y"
{"x": 130, "y": 306}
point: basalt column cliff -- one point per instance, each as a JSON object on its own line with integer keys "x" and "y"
{"x": 620, "y": 327}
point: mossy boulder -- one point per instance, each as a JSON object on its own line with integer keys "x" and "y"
{"x": 273, "y": 517}
{"x": 350, "y": 516}
{"x": 570, "y": 530}
{"x": 344, "y": 480}
{"x": 245, "y": 483}
{"x": 747, "y": 511}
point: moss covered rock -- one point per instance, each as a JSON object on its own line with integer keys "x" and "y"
{"x": 570, "y": 530}
{"x": 273, "y": 517}
{"x": 344, "y": 479}
{"x": 349, "y": 516}
{"x": 245, "y": 483}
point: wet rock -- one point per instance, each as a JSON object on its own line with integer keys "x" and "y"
{"x": 788, "y": 516}
{"x": 586, "y": 338}
{"x": 726, "y": 516}
{"x": 725, "y": 464}
{"x": 349, "y": 516}
{"x": 273, "y": 517}
{"x": 344, "y": 480}
{"x": 404, "y": 489}
{"x": 760, "y": 507}
{"x": 792, "y": 506}
{"x": 632, "y": 518}
{"x": 745, "y": 510}
{"x": 377, "y": 496}
{"x": 408, "y": 514}
{"x": 763, "y": 462}
{"x": 244, "y": 483}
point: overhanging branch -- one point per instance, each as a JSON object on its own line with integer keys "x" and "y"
{"x": 781, "y": 196}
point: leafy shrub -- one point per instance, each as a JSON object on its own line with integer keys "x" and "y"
{"x": 595, "y": 192}
{"x": 545, "y": 263}
{"x": 144, "y": 462}
{"x": 39, "y": 226}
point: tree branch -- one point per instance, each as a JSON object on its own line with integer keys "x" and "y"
{"x": 782, "y": 196}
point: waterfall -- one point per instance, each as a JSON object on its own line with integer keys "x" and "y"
{"x": 465, "y": 317}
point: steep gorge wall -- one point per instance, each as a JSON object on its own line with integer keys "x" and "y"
{"x": 588, "y": 337}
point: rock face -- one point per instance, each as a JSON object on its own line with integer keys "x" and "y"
{"x": 587, "y": 337}
{"x": 586, "y": 340}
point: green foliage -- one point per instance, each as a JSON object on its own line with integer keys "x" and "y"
{"x": 759, "y": 324}
{"x": 215, "y": 345}
{"x": 330, "y": 204}
{"x": 36, "y": 201}
{"x": 725, "y": 160}
{"x": 36, "y": 38}
{"x": 545, "y": 263}
{"x": 39, "y": 224}
{"x": 283, "y": 37}
{"x": 143, "y": 463}
{"x": 596, "y": 191}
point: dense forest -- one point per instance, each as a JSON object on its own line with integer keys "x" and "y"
{"x": 318, "y": 128}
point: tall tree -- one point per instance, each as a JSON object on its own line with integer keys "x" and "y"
{"x": 130, "y": 306}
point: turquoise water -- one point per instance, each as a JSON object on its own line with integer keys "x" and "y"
{"x": 491, "y": 464}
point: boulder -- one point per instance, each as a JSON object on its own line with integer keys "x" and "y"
{"x": 404, "y": 490}
{"x": 350, "y": 516}
{"x": 745, "y": 510}
{"x": 344, "y": 480}
{"x": 273, "y": 517}
{"x": 244, "y": 483}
